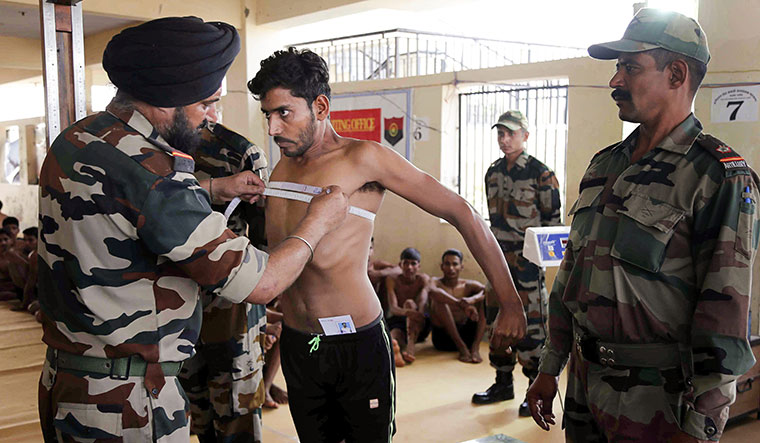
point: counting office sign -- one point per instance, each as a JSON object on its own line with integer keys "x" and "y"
{"x": 381, "y": 116}
{"x": 735, "y": 104}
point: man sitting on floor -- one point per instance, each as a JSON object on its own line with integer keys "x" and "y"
{"x": 407, "y": 300}
{"x": 457, "y": 310}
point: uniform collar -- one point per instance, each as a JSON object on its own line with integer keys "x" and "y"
{"x": 521, "y": 162}
{"x": 678, "y": 141}
{"x": 134, "y": 119}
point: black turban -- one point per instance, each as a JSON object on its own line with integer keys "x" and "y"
{"x": 172, "y": 61}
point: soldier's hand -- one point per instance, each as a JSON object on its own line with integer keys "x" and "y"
{"x": 329, "y": 208}
{"x": 508, "y": 327}
{"x": 540, "y": 397}
{"x": 246, "y": 185}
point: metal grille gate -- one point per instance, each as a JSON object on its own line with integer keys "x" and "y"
{"x": 544, "y": 103}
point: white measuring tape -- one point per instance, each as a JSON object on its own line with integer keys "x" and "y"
{"x": 296, "y": 191}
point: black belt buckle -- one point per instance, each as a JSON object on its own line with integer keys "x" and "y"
{"x": 117, "y": 376}
{"x": 590, "y": 349}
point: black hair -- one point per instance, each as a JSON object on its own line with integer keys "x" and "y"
{"x": 5, "y": 231}
{"x": 10, "y": 221}
{"x": 303, "y": 72}
{"x": 452, "y": 251}
{"x": 30, "y": 231}
{"x": 411, "y": 254}
{"x": 697, "y": 69}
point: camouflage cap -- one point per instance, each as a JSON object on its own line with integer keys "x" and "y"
{"x": 513, "y": 120}
{"x": 654, "y": 28}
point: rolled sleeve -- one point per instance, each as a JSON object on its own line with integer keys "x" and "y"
{"x": 177, "y": 223}
{"x": 243, "y": 280}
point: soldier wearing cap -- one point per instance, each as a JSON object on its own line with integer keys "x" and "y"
{"x": 522, "y": 192}
{"x": 128, "y": 238}
{"x": 651, "y": 300}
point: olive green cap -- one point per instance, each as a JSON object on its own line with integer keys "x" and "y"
{"x": 513, "y": 120}
{"x": 654, "y": 28}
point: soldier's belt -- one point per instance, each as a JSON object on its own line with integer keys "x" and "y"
{"x": 116, "y": 368}
{"x": 650, "y": 355}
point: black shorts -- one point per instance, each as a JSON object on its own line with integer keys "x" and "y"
{"x": 341, "y": 387}
{"x": 399, "y": 322}
{"x": 442, "y": 341}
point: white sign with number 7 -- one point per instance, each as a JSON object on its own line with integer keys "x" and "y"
{"x": 735, "y": 104}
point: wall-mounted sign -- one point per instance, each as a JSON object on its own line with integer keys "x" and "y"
{"x": 735, "y": 104}
{"x": 392, "y": 109}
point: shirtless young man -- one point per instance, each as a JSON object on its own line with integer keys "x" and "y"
{"x": 457, "y": 310}
{"x": 407, "y": 302}
{"x": 342, "y": 386}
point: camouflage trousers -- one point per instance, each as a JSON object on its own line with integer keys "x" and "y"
{"x": 614, "y": 404}
{"x": 224, "y": 380}
{"x": 530, "y": 284}
{"x": 75, "y": 406}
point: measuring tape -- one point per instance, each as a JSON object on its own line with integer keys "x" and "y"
{"x": 296, "y": 191}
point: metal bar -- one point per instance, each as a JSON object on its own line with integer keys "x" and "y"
{"x": 459, "y": 152}
{"x": 50, "y": 70}
{"x": 417, "y": 51}
{"x": 77, "y": 54}
{"x": 395, "y": 63}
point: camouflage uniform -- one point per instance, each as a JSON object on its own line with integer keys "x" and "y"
{"x": 525, "y": 196}
{"x": 658, "y": 263}
{"x": 127, "y": 240}
{"x": 224, "y": 379}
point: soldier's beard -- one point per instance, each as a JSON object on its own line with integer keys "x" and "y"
{"x": 180, "y": 135}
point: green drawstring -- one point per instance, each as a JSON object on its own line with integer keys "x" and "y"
{"x": 314, "y": 342}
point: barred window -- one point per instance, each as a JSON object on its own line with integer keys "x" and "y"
{"x": 544, "y": 103}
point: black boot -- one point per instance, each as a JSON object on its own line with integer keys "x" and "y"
{"x": 501, "y": 390}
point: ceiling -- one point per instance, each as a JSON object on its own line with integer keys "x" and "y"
{"x": 24, "y": 21}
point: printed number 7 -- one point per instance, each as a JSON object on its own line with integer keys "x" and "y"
{"x": 738, "y": 105}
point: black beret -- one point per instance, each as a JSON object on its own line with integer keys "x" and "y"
{"x": 172, "y": 61}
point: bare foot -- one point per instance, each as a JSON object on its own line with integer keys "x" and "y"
{"x": 408, "y": 357}
{"x": 269, "y": 402}
{"x": 476, "y": 358}
{"x": 400, "y": 363}
{"x": 279, "y": 395}
{"x": 465, "y": 356}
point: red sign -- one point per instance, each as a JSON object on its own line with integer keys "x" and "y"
{"x": 363, "y": 124}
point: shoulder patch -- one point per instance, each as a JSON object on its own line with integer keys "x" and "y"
{"x": 729, "y": 158}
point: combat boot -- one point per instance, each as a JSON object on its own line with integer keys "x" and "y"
{"x": 501, "y": 390}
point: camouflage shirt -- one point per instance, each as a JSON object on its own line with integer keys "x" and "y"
{"x": 660, "y": 251}
{"x": 224, "y": 153}
{"x": 127, "y": 239}
{"x": 525, "y": 196}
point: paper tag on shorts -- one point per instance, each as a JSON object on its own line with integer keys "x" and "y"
{"x": 374, "y": 403}
{"x": 342, "y": 324}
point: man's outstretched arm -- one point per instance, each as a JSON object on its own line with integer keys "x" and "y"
{"x": 385, "y": 166}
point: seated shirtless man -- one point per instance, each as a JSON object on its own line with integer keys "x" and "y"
{"x": 335, "y": 350}
{"x": 457, "y": 310}
{"x": 407, "y": 303}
